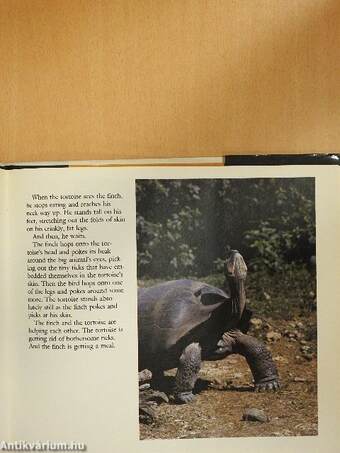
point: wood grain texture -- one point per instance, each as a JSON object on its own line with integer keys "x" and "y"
{"x": 103, "y": 79}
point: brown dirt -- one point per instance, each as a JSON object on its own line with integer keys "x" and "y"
{"x": 225, "y": 390}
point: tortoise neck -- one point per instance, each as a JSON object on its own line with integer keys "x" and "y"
{"x": 238, "y": 295}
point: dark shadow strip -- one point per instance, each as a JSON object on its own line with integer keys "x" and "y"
{"x": 282, "y": 159}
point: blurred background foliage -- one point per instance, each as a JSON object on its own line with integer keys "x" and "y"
{"x": 186, "y": 227}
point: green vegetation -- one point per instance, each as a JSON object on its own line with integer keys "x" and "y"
{"x": 186, "y": 227}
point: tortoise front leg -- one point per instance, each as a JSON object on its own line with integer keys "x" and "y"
{"x": 187, "y": 372}
{"x": 258, "y": 357}
{"x": 260, "y": 361}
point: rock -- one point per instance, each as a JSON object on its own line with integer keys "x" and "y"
{"x": 255, "y": 415}
{"x": 148, "y": 398}
{"x": 154, "y": 396}
{"x": 146, "y": 414}
{"x": 293, "y": 335}
{"x": 144, "y": 376}
{"x": 220, "y": 384}
{"x": 273, "y": 336}
{"x": 308, "y": 351}
{"x": 299, "y": 379}
{"x": 256, "y": 323}
{"x": 305, "y": 348}
{"x": 238, "y": 375}
{"x": 279, "y": 358}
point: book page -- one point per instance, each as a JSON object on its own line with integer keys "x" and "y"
{"x": 4, "y": 282}
{"x": 76, "y": 264}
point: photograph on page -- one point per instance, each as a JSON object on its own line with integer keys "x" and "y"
{"x": 227, "y": 327}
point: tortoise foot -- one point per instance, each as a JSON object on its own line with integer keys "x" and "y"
{"x": 271, "y": 385}
{"x": 184, "y": 397}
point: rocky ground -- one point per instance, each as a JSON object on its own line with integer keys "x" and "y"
{"x": 285, "y": 319}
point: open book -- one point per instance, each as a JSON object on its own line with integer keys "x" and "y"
{"x": 237, "y": 269}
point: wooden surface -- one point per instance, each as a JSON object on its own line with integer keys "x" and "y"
{"x": 101, "y": 79}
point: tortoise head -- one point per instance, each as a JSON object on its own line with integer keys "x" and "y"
{"x": 235, "y": 266}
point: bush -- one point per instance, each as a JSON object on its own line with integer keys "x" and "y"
{"x": 184, "y": 227}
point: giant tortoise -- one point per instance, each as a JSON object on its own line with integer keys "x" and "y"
{"x": 182, "y": 322}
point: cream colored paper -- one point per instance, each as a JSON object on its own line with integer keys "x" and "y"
{"x": 93, "y": 397}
